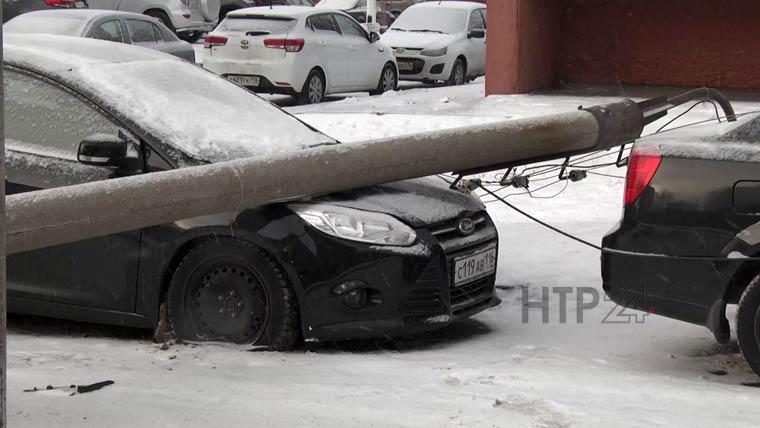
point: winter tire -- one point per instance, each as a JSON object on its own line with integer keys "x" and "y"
{"x": 313, "y": 89}
{"x": 458, "y": 73}
{"x": 748, "y": 324}
{"x": 388, "y": 80}
{"x": 228, "y": 290}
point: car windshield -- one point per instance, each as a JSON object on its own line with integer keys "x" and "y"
{"x": 432, "y": 19}
{"x": 258, "y": 24}
{"x": 340, "y": 4}
{"x": 58, "y": 24}
{"x": 197, "y": 112}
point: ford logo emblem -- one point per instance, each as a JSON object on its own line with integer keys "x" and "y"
{"x": 466, "y": 226}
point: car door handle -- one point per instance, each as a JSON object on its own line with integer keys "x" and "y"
{"x": 323, "y": 43}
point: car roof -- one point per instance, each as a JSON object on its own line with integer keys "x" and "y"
{"x": 84, "y": 14}
{"x": 280, "y": 11}
{"x": 467, "y": 5}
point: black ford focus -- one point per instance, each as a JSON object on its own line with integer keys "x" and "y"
{"x": 380, "y": 261}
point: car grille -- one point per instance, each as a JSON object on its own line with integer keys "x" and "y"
{"x": 468, "y": 296}
{"x": 425, "y": 297}
{"x": 417, "y": 65}
{"x": 428, "y": 294}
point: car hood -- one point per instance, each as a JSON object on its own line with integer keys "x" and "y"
{"x": 412, "y": 40}
{"x": 418, "y": 202}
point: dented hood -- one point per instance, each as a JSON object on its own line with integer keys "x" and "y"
{"x": 416, "y": 202}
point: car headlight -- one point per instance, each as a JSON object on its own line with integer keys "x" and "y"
{"x": 356, "y": 225}
{"x": 435, "y": 52}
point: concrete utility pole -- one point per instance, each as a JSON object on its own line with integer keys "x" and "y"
{"x": 55, "y": 216}
{"x": 372, "y": 24}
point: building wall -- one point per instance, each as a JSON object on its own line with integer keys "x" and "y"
{"x": 670, "y": 42}
{"x": 534, "y": 44}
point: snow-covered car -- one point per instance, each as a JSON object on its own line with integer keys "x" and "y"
{"x": 306, "y": 52}
{"x": 385, "y": 260}
{"x": 228, "y": 6}
{"x": 440, "y": 41}
{"x": 121, "y": 27}
{"x": 188, "y": 18}
{"x": 14, "y": 8}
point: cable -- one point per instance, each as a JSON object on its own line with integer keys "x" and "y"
{"x": 612, "y": 250}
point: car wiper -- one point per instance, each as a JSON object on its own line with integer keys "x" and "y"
{"x": 398, "y": 29}
{"x": 428, "y": 31}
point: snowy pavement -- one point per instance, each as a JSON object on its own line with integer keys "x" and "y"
{"x": 492, "y": 371}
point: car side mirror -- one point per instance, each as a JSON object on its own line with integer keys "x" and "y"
{"x": 374, "y": 37}
{"x": 383, "y": 30}
{"x": 477, "y": 33}
{"x": 106, "y": 150}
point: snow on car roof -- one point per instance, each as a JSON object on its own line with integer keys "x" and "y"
{"x": 75, "y": 13}
{"x": 283, "y": 11}
{"x": 468, "y": 5}
{"x": 183, "y": 106}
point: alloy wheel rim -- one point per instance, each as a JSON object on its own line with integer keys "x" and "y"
{"x": 230, "y": 303}
{"x": 388, "y": 80}
{"x": 315, "y": 89}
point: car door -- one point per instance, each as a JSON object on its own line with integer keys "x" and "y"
{"x": 144, "y": 33}
{"x": 365, "y": 62}
{"x": 44, "y": 125}
{"x": 330, "y": 48}
{"x": 476, "y": 47}
{"x": 110, "y": 30}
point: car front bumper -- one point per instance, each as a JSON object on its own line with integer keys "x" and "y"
{"x": 409, "y": 289}
{"x": 417, "y": 67}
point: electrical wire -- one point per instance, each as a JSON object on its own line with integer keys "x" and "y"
{"x": 612, "y": 250}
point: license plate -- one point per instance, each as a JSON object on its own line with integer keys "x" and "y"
{"x": 474, "y": 266}
{"x": 245, "y": 80}
{"x": 406, "y": 66}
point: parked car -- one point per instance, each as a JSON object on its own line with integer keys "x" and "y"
{"x": 692, "y": 213}
{"x": 358, "y": 10}
{"x": 121, "y": 27}
{"x": 370, "y": 262}
{"x": 228, "y": 6}
{"x": 188, "y": 18}
{"x": 14, "y": 8}
{"x": 440, "y": 41}
{"x": 301, "y": 51}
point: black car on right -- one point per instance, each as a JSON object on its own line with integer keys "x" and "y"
{"x": 688, "y": 242}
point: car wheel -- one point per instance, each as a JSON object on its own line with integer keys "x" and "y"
{"x": 458, "y": 73}
{"x": 748, "y": 324}
{"x": 388, "y": 81}
{"x": 314, "y": 89}
{"x": 163, "y": 17}
{"x": 228, "y": 290}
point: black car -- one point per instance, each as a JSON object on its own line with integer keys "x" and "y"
{"x": 14, "y": 8}
{"x": 386, "y": 260}
{"x": 690, "y": 226}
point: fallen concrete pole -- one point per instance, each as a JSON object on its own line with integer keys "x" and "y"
{"x": 55, "y": 216}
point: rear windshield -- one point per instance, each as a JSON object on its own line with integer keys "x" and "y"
{"x": 63, "y": 25}
{"x": 257, "y": 24}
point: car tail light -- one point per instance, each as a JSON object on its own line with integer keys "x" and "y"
{"x": 290, "y": 45}
{"x": 642, "y": 165}
{"x": 61, "y": 3}
{"x": 211, "y": 41}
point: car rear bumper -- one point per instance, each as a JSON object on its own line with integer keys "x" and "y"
{"x": 277, "y": 77}
{"x": 184, "y": 24}
{"x": 424, "y": 68}
{"x": 682, "y": 289}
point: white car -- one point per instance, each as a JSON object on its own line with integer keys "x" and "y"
{"x": 188, "y": 18}
{"x": 440, "y": 41}
{"x": 301, "y": 51}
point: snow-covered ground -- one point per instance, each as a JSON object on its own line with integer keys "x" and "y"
{"x": 490, "y": 371}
